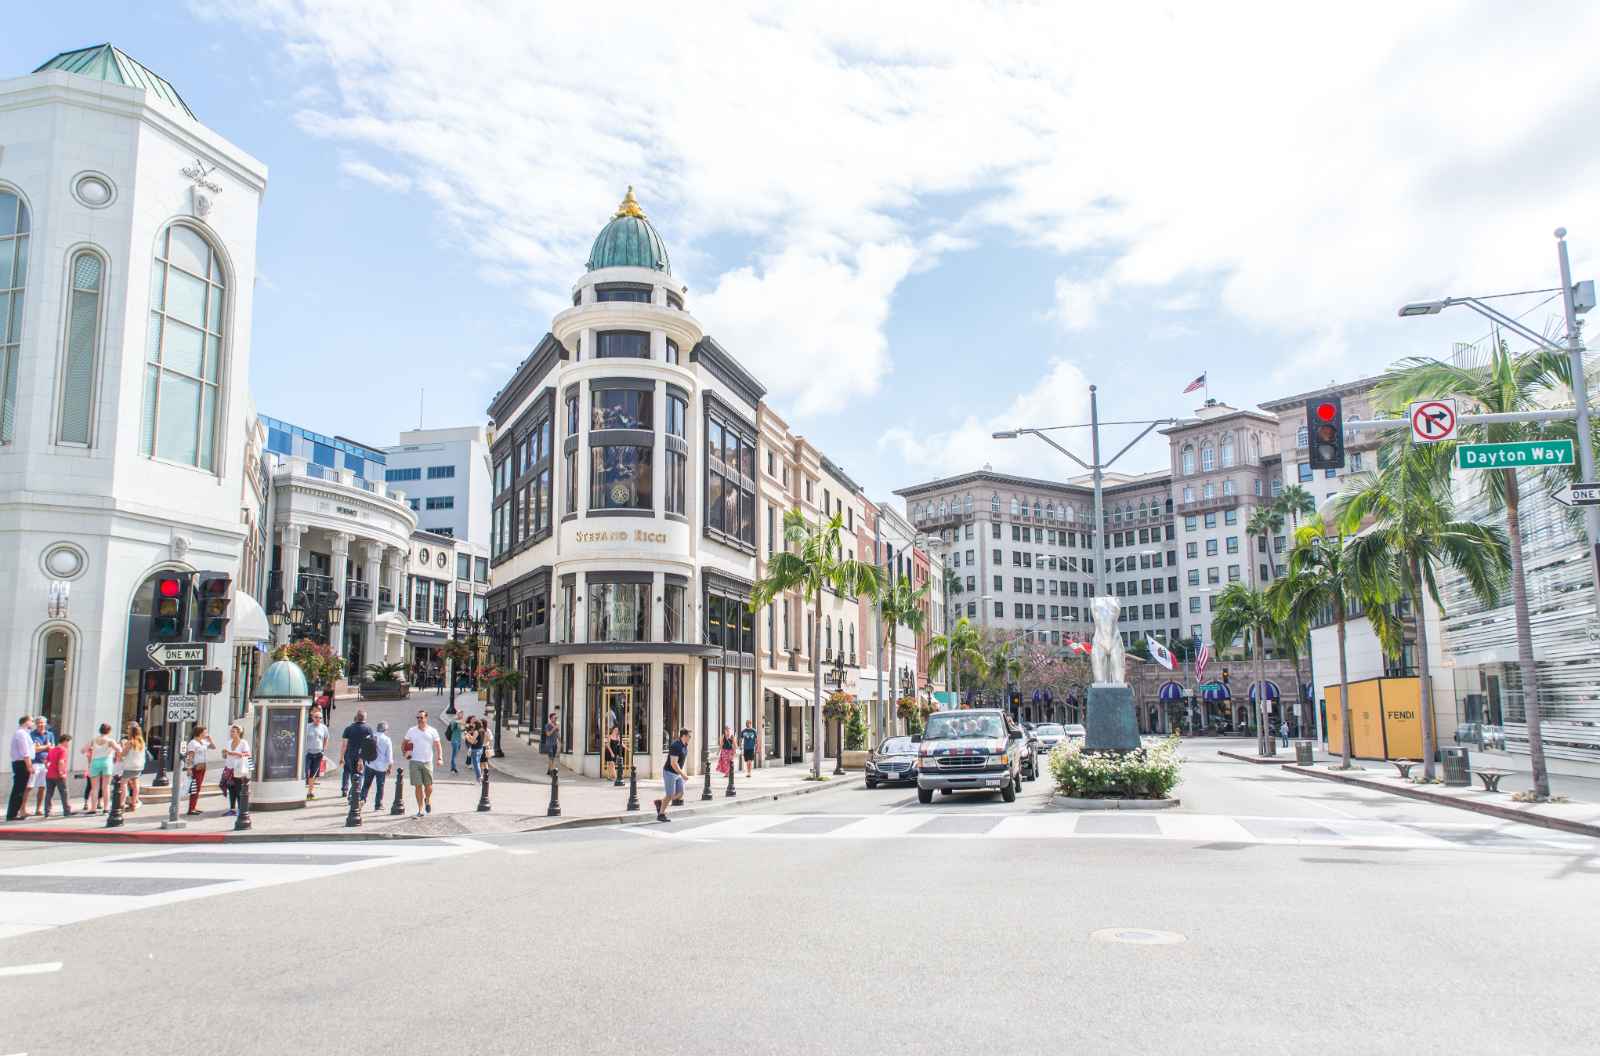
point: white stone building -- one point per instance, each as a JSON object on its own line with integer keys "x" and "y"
{"x": 445, "y": 474}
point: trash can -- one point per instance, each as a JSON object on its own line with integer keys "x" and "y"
{"x": 1457, "y": 767}
{"x": 1303, "y": 752}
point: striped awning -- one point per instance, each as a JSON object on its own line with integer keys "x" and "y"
{"x": 1215, "y": 691}
{"x": 1170, "y": 691}
{"x": 1271, "y": 691}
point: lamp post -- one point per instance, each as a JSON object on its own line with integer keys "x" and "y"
{"x": 838, "y": 683}
{"x": 472, "y": 628}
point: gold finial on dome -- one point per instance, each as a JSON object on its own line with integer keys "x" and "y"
{"x": 629, "y": 206}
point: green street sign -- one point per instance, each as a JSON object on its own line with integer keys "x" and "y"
{"x": 1527, "y": 454}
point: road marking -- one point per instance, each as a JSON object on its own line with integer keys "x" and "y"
{"x": 43, "y": 968}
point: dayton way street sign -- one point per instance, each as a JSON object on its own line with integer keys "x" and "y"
{"x": 1579, "y": 495}
{"x": 1433, "y": 421}
{"x": 183, "y": 707}
{"x": 178, "y": 654}
{"x": 1521, "y": 455}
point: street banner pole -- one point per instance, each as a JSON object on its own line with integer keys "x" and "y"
{"x": 1580, "y": 397}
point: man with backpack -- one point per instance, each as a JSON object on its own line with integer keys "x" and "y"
{"x": 378, "y": 764}
{"x": 358, "y": 745}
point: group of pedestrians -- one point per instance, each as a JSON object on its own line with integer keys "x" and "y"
{"x": 366, "y": 756}
{"x": 473, "y": 735}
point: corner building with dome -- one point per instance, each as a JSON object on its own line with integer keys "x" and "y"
{"x": 623, "y": 540}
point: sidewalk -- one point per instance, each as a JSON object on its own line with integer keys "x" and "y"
{"x": 519, "y": 795}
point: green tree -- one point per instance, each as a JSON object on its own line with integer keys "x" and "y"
{"x": 1296, "y": 502}
{"x": 1243, "y": 610}
{"x": 814, "y": 560}
{"x": 958, "y": 650}
{"x": 900, "y": 604}
{"x": 1003, "y": 664}
{"x": 1412, "y": 532}
{"x": 1265, "y": 523}
{"x": 1506, "y": 384}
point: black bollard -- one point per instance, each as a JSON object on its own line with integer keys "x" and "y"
{"x": 633, "y": 788}
{"x": 353, "y": 818}
{"x": 243, "y": 821}
{"x": 616, "y": 766}
{"x": 114, "y": 819}
{"x": 705, "y": 794}
{"x": 483, "y": 799}
{"x": 733, "y": 768}
{"x": 399, "y": 792}
{"x": 554, "y": 810}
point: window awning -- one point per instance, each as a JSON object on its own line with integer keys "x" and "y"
{"x": 1272, "y": 691}
{"x": 249, "y": 620}
{"x": 1170, "y": 691}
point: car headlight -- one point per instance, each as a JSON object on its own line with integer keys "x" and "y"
{"x": 1003, "y": 759}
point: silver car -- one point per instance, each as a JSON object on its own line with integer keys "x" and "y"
{"x": 1049, "y": 735}
{"x": 893, "y": 761}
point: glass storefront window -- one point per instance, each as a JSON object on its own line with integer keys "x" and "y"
{"x": 636, "y": 679}
{"x": 621, "y": 408}
{"x": 619, "y": 612}
{"x": 671, "y": 703}
{"x": 631, "y": 344}
{"x": 619, "y": 477}
{"x": 672, "y": 618}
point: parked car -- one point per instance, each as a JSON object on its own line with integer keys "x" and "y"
{"x": 1074, "y": 732}
{"x": 892, "y": 762}
{"x": 970, "y": 750}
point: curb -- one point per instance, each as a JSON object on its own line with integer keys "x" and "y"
{"x": 1270, "y": 760}
{"x": 644, "y": 817}
{"x": 1069, "y": 803}
{"x": 1472, "y": 805}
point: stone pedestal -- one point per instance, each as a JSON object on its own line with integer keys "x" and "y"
{"x": 1112, "y": 725}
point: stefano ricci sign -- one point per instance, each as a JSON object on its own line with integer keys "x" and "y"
{"x": 638, "y": 535}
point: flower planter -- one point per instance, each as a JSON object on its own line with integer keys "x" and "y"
{"x": 1058, "y": 802}
{"x": 383, "y": 691}
{"x": 855, "y": 760}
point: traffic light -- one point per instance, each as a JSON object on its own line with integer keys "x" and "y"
{"x": 214, "y": 592}
{"x": 211, "y": 680}
{"x": 170, "y": 612}
{"x": 158, "y": 681}
{"x": 1016, "y": 701}
{"x": 1325, "y": 432}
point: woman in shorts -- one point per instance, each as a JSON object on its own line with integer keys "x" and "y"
{"x": 103, "y": 755}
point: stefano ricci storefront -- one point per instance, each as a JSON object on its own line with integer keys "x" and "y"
{"x": 623, "y": 538}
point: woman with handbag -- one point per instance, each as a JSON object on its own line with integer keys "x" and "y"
{"x": 196, "y": 752}
{"x": 725, "y": 754}
{"x": 235, "y": 762}
{"x": 614, "y": 753}
{"x": 477, "y": 741}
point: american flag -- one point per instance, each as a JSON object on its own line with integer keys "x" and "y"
{"x": 1197, "y": 383}
{"x": 1201, "y": 660}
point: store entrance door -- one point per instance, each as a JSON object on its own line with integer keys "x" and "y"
{"x": 618, "y": 704}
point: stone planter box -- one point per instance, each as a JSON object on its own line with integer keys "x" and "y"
{"x": 855, "y": 760}
{"x": 383, "y": 690}
{"x": 1070, "y": 803}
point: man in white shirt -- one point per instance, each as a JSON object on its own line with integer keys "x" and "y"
{"x": 422, "y": 754}
{"x": 380, "y": 766}
{"x": 21, "y": 768}
{"x": 316, "y": 743}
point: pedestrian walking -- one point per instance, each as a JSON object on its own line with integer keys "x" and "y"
{"x": 725, "y": 752}
{"x": 55, "y": 775}
{"x": 747, "y": 744}
{"x": 380, "y": 766}
{"x": 357, "y": 744}
{"x": 21, "y": 754}
{"x": 134, "y": 755}
{"x": 1283, "y": 732}
{"x": 316, "y": 749}
{"x": 673, "y": 774}
{"x": 195, "y": 755}
{"x": 452, "y": 733}
{"x": 103, "y": 755}
{"x": 43, "y": 739}
{"x": 614, "y": 756}
{"x": 477, "y": 738}
{"x": 235, "y": 767}
{"x": 550, "y": 745}
{"x": 423, "y": 752}
{"x": 326, "y": 700}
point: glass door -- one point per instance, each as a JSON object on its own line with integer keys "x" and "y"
{"x": 618, "y": 704}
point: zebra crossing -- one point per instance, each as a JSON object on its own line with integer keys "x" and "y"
{"x": 67, "y": 891}
{"x": 1191, "y": 828}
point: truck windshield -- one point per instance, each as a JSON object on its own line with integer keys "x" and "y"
{"x": 954, "y": 727}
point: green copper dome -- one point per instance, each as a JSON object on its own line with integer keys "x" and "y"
{"x": 107, "y": 63}
{"x": 629, "y": 241}
{"x": 283, "y": 679}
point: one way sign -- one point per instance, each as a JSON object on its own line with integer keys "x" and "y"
{"x": 1579, "y": 495}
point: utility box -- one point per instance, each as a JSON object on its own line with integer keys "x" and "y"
{"x": 1303, "y": 753}
{"x": 1457, "y": 767}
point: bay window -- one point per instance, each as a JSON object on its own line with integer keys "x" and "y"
{"x": 619, "y": 608}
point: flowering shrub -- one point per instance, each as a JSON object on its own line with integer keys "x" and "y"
{"x": 838, "y": 706}
{"x": 319, "y": 662}
{"x": 1144, "y": 773}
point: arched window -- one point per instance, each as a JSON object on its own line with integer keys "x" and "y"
{"x": 1208, "y": 458}
{"x": 184, "y": 350}
{"x": 1016, "y": 508}
{"x": 13, "y": 277}
{"x": 1255, "y": 448}
{"x": 1036, "y": 511}
{"x": 53, "y": 678}
{"x": 944, "y": 507}
{"x": 852, "y": 643}
{"x": 994, "y": 504}
{"x": 82, "y": 348}
{"x": 1227, "y": 450}
{"x": 1188, "y": 460}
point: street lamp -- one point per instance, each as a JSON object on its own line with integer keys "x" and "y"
{"x": 1576, "y": 299}
{"x": 838, "y": 681}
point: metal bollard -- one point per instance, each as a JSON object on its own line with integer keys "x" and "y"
{"x": 399, "y": 792}
{"x": 633, "y": 788}
{"x": 705, "y": 794}
{"x": 554, "y": 810}
{"x": 353, "y": 818}
{"x": 243, "y": 821}
{"x": 114, "y": 819}
{"x": 733, "y": 768}
{"x": 616, "y": 767}
{"x": 483, "y": 799}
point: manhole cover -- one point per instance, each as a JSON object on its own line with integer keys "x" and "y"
{"x": 1137, "y": 936}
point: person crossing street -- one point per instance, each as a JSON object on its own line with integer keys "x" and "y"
{"x": 423, "y": 752}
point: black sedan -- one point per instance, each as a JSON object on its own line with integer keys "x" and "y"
{"x": 892, "y": 762}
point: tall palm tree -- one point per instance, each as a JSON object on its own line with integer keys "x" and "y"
{"x": 1003, "y": 663}
{"x": 1413, "y": 532}
{"x": 1322, "y": 576}
{"x": 1242, "y": 610}
{"x": 1265, "y": 523}
{"x": 1296, "y": 502}
{"x": 900, "y": 604}
{"x": 813, "y": 561}
{"x": 960, "y": 649}
{"x": 1505, "y": 384}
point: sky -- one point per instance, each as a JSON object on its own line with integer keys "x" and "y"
{"x": 914, "y": 223}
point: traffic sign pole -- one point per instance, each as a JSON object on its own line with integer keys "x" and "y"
{"x": 192, "y": 702}
{"x": 1580, "y": 399}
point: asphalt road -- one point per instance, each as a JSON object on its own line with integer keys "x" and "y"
{"x": 1270, "y": 913}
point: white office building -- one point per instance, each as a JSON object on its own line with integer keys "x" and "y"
{"x": 445, "y": 474}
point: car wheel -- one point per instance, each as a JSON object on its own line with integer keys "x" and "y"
{"x": 1016, "y": 782}
{"x": 924, "y": 795}
{"x": 871, "y": 783}
{"x": 1009, "y": 793}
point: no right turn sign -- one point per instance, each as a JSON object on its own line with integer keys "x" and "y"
{"x": 1433, "y": 421}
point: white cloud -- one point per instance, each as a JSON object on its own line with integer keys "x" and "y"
{"x": 388, "y": 181}
{"x": 1409, "y": 150}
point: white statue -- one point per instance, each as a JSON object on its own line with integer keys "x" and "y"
{"x": 1106, "y": 660}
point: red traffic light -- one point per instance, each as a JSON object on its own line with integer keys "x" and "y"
{"x": 1327, "y": 411}
{"x": 169, "y": 587}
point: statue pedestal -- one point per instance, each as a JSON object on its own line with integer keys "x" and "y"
{"x": 1112, "y": 726}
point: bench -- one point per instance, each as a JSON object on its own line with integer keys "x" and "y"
{"x": 1491, "y": 778}
{"x": 1404, "y": 766}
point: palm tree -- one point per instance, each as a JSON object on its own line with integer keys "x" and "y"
{"x": 1414, "y": 532}
{"x": 812, "y": 561}
{"x": 1265, "y": 523}
{"x": 1243, "y": 610}
{"x": 900, "y": 603}
{"x": 1003, "y": 663}
{"x": 1295, "y": 502}
{"x": 1506, "y": 384}
{"x": 959, "y": 649}
{"x": 1322, "y": 576}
